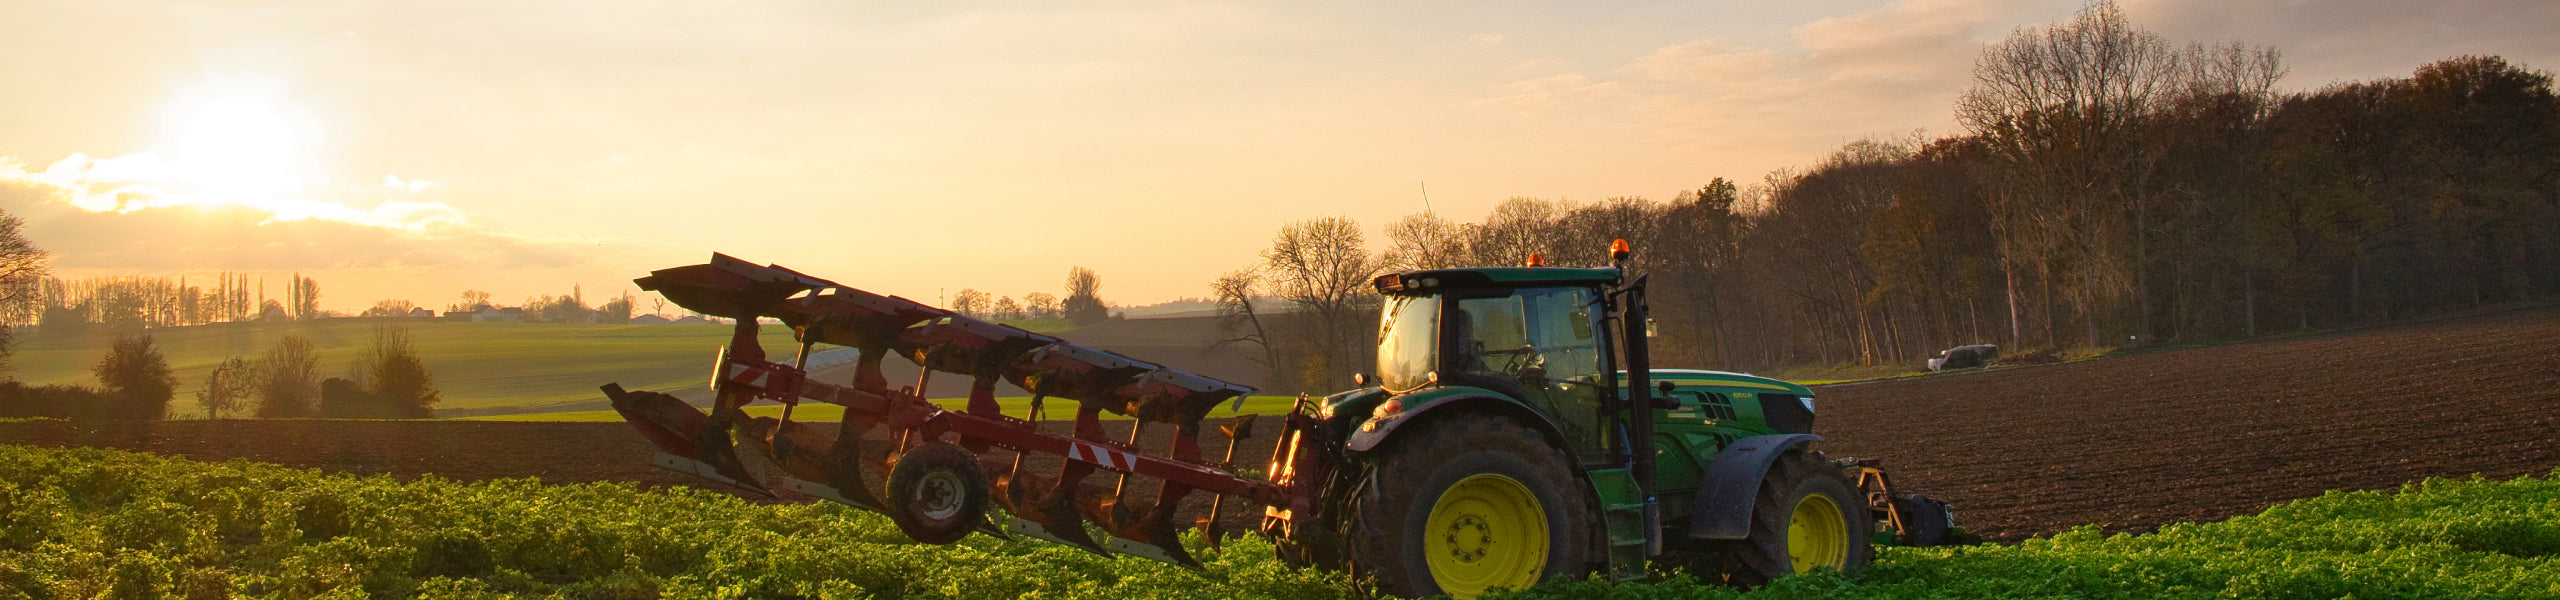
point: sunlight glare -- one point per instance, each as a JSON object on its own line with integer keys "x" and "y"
{"x": 241, "y": 145}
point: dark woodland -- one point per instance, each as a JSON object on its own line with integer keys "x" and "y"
{"x": 2109, "y": 190}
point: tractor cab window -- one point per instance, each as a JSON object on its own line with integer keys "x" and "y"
{"x": 1407, "y": 343}
{"x": 1540, "y": 344}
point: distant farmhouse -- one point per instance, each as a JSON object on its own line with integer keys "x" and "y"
{"x": 498, "y": 315}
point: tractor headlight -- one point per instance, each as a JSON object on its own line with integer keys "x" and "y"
{"x": 1808, "y": 402}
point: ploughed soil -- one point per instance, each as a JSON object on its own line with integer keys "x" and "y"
{"x": 2125, "y": 443}
{"x": 2133, "y": 442}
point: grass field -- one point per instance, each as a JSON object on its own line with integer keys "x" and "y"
{"x": 1057, "y": 408}
{"x": 476, "y": 365}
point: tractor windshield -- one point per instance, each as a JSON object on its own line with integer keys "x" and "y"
{"x": 1408, "y": 345}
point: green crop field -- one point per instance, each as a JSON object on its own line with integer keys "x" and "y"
{"x": 526, "y": 366}
{"x": 1059, "y": 409}
{"x": 477, "y": 365}
{"x": 81, "y": 523}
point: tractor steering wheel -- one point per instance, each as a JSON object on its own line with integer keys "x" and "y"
{"x": 1520, "y": 360}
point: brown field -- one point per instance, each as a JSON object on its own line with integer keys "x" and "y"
{"x": 2133, "y": 442}
{"x": 2125, "y": 443}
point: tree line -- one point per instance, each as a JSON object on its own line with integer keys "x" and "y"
{"x": 389, "y": 381}
{"x": 2109, "y": 189}
{"x": 145, "y": 302}
{"x": 1083, "y": 304}
{"x": 131, "y": 303}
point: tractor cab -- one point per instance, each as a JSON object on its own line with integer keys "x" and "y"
{"x": 1532, "y": 336}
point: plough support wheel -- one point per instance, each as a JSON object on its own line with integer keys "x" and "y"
{"x": 938, "y": 493}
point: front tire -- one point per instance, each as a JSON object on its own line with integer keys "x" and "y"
{"x": 1468, "y": 504}
{"x": 1806, "y": 516}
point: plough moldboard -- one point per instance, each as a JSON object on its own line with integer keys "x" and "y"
{"x": 935, "y": 471}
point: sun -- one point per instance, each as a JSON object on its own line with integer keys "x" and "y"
{"x": 241, "y": 144}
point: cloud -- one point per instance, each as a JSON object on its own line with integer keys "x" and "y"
{"x": 122, "y": 214}
{"x": 2355, "y": 40}
{"x": 1914, "y": 40}
{"x": 138, "y": 182}
{"x": 1885, "y": 72}
{"x": 1706, "y": 64}
{"x": 394, "y": 182}
{"x": 1487, "y": 39}
{"x": 1531, "y": 96}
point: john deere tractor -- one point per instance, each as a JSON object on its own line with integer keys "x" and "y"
{"x": 1516, "y": 431}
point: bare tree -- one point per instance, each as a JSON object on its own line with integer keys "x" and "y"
{"x": 1584, "y": 232}
{"x": 1322, "y": 266}
{"x": 472, "y": 301}
{"x": 1693, "y": 262}
{"x": 230, "y": 383}
{"x": 289, "y": 379}
{"x": 616, "y": 311}
{"x": 22, "y": 267}
{"x": 1005, "y": 309}
{"x": 2060, "y": 106}
{"x": 396, "y": 377}
{"x": 1517, "y": 228}
{"x": 22, "y": 272}
{"x": 1239, "y": 320}
{"x": 970, "y": 302}
{"x": 1084, "y": 305}
{"x": 1040, "y": 305}
{"x": 1425, "y": 241}
{"x": 305, "y": 297}
{"x": 390, "y": 308}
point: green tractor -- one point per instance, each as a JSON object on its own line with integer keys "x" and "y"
{"x": 1515, "y": 431}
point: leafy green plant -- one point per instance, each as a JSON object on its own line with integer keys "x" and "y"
{"x": 2438, "y": 538}
{"x": 102, "y": 523}
{"x": 89, "y": 523}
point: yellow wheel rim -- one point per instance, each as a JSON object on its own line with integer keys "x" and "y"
{"x": 1817, "y": 534}
{"x": 1487, "y": 531}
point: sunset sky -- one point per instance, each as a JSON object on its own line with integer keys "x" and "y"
{"x": 416, "y": 149}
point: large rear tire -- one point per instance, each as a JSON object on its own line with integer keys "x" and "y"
{"x": 1806, "y": 516}
{"x": 1467, "y": 504}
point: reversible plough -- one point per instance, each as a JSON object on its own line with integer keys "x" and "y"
{"x": 937, "y": 470}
